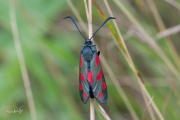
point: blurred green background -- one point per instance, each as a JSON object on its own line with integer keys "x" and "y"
{"x": 51, "y": 47}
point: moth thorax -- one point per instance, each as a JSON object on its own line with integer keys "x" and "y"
{"x": 87, "y": 54}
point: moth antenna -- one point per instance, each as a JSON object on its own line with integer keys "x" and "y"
{"x": 75, "y": 25}
{"x": 102, "y": 25}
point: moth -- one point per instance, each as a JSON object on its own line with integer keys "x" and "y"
{"x": 91, "y": 78}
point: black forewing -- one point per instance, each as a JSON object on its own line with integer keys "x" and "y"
{"x": 99, "y": 87}
{"x": 83, "y": 83}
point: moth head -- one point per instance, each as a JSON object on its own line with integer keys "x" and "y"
{"x": 88, "y": 42}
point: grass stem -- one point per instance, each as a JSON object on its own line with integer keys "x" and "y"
{"x": 21, "y": 60}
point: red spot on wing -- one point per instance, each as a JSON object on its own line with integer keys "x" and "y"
{"x": 80, "y": 86}
{"x": 97, "y": 60}
{"x": 99, "y": 75}
{"x": 89, "y": 77}
{"x": 100, "y": 94}
{"x": 80, "y": 61}
{"x": 81, "y": 76}
{"x": 85, "y": 95}
{"x": 103, "y": 85}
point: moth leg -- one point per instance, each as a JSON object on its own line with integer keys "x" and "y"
{"x": 98, "y": 53}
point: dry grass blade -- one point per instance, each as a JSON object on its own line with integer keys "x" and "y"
{"x": 169, "y": 31}
{"x": 147, "y": 107}
{"x": 86, "y": 9}
{"x": 118, "y": 40}
{"x": 103, "y": 112}
{"x": 161, "y": 26}
{"x": 174, "y": 3}
{"x": 92, "y": 116}
{"x": 89, "y": 19}
{"x": 149, "y": 39}
{"x": 22, "y": 61}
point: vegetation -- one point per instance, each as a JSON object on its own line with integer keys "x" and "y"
{"x": 146, "y": 64}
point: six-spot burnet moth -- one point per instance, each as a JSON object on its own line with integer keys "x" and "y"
{"x": 91, "y": 77}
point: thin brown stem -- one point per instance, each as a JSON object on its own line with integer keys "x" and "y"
{"x": 89, "y": 19}
{"x": 86, "y": 9}
{"x": 21, "y": 60}
{"x": 103, "y": 112}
